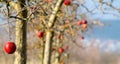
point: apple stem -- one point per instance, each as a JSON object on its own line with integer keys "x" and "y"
{"x": 8, "y": 19}
{"x": 9, "y": 31}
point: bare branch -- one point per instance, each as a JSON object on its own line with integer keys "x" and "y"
{"x": 24, "y": 19}
{"x": 89, "y": 11}
{"x": 110, "y": 5}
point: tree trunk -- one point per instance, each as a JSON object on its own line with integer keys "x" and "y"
{"x": 48, "y": 46}
{"x": 21, "y": 25}
{"x": 57, "y": 54}
{"x": 49, "y": 34}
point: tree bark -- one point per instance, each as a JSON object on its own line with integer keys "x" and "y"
{"x": 48, "y": 46}
{"x": 49, "y": 34}
{"x": 21, "y": 29}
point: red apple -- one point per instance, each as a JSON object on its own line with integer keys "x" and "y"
{"x": 67, "y": 2}
{"x": 40, "y": 34}
{"x": 67, "y": 21}
{"x": 79, "y": 23}
{"x": 84, "y": 21}
{"x": 61, "y": 50}
{"x": 9, "y": 47}
{"x": 48, "y": 1}
{"x": 59, "y": 36}
{"x": 81, "y": 37}
{"x": 84, "y": 26}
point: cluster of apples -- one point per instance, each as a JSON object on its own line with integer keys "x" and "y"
{"x": 83, "y": 23}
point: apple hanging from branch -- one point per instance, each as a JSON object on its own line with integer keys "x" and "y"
{"x": 9, "y": 47}
{"x": 40, "y": 34}
{"x": 67, "y": 2}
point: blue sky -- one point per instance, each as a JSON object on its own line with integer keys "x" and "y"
{"x": 93, "y": 4}
{"x": 108, "y": 34}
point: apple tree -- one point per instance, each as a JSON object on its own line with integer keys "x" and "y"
{"x": 58, "y": 22}
{"x": 20, "y": 54}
